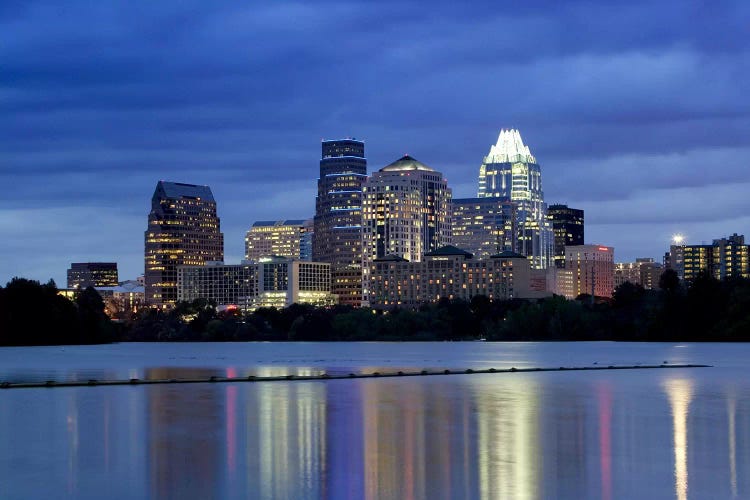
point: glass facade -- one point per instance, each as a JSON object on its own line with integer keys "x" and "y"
{"x": 568, "y": 228}
{"x": 510, "y": 171}
{"x": 183, "y": 229}
{"x": 337, "y": 235}
{"x": 484, "y": 226}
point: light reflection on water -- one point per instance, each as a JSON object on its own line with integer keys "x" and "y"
{"x": 679, "y": 434}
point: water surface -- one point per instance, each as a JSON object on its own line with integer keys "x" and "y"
{"x": 677, "y": 433}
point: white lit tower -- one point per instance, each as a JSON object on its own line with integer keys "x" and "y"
{"x": 510, "y": 171}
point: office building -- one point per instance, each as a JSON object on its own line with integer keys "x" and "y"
{"x": 270, "y": 282}
{"x": 183, "y": 229}
{"x": 484, "y": 226}
{"x": 449, "y": 273}
{"x": 406, "y": 213}
{"x": 285, "y": 238}
{"x": 568, "y": 230}
{"x": 337, "y": 235}
{"x": 593, "y": 268}
{"x": 511, "y": 171}
{"x": 85, "y": 274}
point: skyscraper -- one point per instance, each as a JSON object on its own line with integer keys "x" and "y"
{"x": 337, "y": 235}
{"x": 511, "y": 171}
{"x": 183, "y": 229}
{"x": 406, "y": 212}
{"x": 483, "y": 226}
{"x": 567, "y": 226}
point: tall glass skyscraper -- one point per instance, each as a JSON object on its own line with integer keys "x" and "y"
{"x": 511, "y": 171}
{"x": 183, "y": 229}
{"x": 337, "y": 234}
{"x": 567, "y": 224}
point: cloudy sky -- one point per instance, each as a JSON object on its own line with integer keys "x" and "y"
{"x": 637, "y": 111}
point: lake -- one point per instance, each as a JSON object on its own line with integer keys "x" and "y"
{"x": 667, "y": 433}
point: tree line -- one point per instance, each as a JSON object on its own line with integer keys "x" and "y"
{"x": 35, "y": 314}
{"x": 705, "y": 310}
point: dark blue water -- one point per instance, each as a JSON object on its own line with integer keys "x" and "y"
{"x": 677, "y": 433}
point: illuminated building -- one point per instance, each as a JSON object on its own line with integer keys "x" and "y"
{"x": 449, "y": 273}
{"x": 183, "y": 229}
{"x": 723, "y": 258}
{"x": 593, "y": 269}
{"x": 285, "y": 238}
{"x": 731, "y": 257}
{"x": 122, "y": 300}
{"x": 483, "y": 226}
{"x": 405, "y": 212}
{"x": 271, "y": 282}
{"x": 511, "y": 171}
{"x": 337, "y": 236}
{"x": 567, "y": 226}
{"x": 644, "y": 271}
{"x": 86, "y": 274}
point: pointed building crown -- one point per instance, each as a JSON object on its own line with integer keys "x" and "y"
{"x": 509, "y": 149}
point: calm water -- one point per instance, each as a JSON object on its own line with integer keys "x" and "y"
{"x": 681, "y": 433}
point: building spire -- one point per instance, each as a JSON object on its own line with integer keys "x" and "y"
{"x": 510, "y": 148}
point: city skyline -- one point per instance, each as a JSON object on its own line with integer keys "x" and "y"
{"x": 638, "y": 113}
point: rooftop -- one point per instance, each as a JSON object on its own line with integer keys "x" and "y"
{"x": 509, "y": 148}
{"x": 181, "y": 190}
{"x": 406, "y": 162}
{"x": 449, "y": 250}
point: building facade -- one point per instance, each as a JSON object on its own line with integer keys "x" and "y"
{"x": 96, "y": 274}
{"x": 337, "y": 235}
{"x": 483, "y": 226}
{"x": 406, "y": 212}
{"x": 285, "y": 238}
{"x": 511, "y": 171}
{"x": 568, "y": 230}
{"x": 593, "y": 268}
{"x": 723, "y": 258}
{"x": 183, "y": 229}
{"x": 449, "y": 273}
{"x": 271, "y": 282}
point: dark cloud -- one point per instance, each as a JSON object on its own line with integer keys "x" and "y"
{"x": 624, "y": 103}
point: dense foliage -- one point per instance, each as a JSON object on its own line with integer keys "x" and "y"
{"x": 708, "y": 310}
{"x": 35, "y": 314}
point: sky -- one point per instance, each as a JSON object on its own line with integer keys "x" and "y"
{"x": 637, "y": 111}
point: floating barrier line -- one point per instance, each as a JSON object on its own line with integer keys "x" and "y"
{"x": 324, "y": 376}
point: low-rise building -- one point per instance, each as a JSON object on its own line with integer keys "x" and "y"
{"x": 270, "y": 282}
{"x": 450, "y": 273}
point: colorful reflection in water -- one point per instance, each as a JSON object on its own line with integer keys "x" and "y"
{"x": 520, "y": 436}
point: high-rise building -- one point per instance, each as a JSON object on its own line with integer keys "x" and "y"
{"x": 285, "y": 238}
{"x": 483, "y": 226}
{"x": 405, "y": 212}
{"x": 567, "y": 226}
{"x": 593, "y": 268}
{"x": 511, "y": 171}
{"x": 337, "y": 235}
{"x": 183, "y": 229}
{"x": 96, "y": 274}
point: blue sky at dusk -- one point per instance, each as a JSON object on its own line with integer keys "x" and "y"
{"x": 637, "y": 111}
